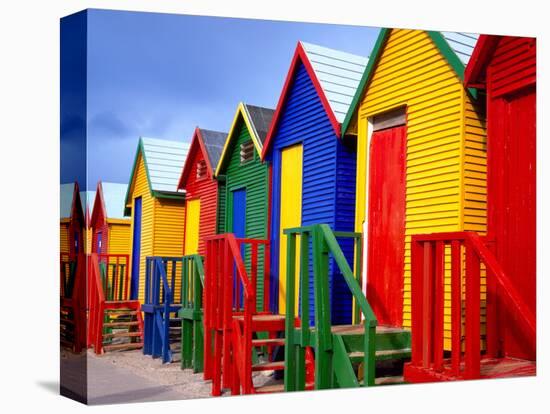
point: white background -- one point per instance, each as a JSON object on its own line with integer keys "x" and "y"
{"x": 29, "y": 178}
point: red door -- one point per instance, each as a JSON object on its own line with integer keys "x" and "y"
{"x": 386, "y": 227}
{"x": 512, "y": 205}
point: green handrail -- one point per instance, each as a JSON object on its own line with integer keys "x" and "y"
{"x": 324, "y": 242}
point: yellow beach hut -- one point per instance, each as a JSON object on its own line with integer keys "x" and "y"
{"x": 157, "y": 208}
{"x": 421, "y": 158}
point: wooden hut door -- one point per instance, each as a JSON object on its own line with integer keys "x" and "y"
{"x": 136, "y": 249}
{"x": 192, "y": 226}
{"x": 290, "y": 213}
{"x": 386, "y": 226}
{"x": 238, "y": 228}
{"x": 512, "y": 206}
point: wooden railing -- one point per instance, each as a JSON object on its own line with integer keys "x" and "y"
{"x": 160, "y": 304}
{"x": 96, "y": 304}
{"x": 67, "y": 271}
{"x": 114, "y": 276}
{"x": 192, "y": 338}
{"x": 324, "y": 243}
{"x": 226, "y": 277}
{"x": 429, "y": 253}
{"x": 73, "y": 295}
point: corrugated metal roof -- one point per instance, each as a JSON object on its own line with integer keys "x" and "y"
{"x": 164, "y": 161}
{"x": 261, "y": 119}
{"x": 339, "y": 74}
{"x": 213, "y": 141}
{"x": 114, "y": 195}
{"x": 87, "y": 198}
{"x": 66, "y": 200}
{"x": 462, "y": 44}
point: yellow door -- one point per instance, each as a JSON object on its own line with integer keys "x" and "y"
{"x": 290, "y": 213}
{"x": 192, "y": 221}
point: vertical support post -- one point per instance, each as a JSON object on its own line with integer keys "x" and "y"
{"x": 267, "y": 275}
{"x": 254, "y": 270}
{"x": 290, "y": 360}
{"x": 472, "y": 357}
{"x": 323, "y": 369}
{"x": 427, "y": 304}
{"x": 417, "y": 322}
{"x": 439, "y": 292}
{"x": 456, "y": 306}
{"x": 492, "y": 324}
{"x": 358, "y": 272}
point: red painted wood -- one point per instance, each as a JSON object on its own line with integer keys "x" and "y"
{"x": 205, "y": 189}
{"x": 439, "y": 299}
{"x": 427, "y": 307}
{"x": 456, "y": 305}
{"x": 472, "y": 337}
{"x": 386, "y": 225}
{"x": 417, "y": 302}
{"x": 511, "y": 150}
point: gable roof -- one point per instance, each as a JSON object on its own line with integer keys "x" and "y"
{"x": 335, "y": 75}
{"x": 112, "y": 196}
{"x": 210, "y": 143}
{"x": 455, "y": 47}
{"x": 69, "y": 201}
{"x": 163, "y": 162}
{"x": 87, "y": 199}
{"x": 481, "y": 55}
{"x": 257, "y": 120}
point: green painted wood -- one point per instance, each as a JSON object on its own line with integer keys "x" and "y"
{"x": 342, "y": 365}
{"x": 252, "y": 175}
{"x": 290, "y": 374}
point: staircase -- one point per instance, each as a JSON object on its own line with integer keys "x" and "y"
{"x": 361, "y": 354}
{"x": 469, "y": 255}
{"x": 115, "y": 322}
{"x": 162, "y": 325}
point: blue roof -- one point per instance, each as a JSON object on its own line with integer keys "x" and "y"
{"x": 339, "y": 74}
{"x": 462, "y": 44}
{"x": 114, "y": 195}
{"x": 66, "y": 200}
{"x": 164, "y": 161}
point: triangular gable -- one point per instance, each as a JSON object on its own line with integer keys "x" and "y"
{"x": 456, "y": 48}
{"x": 70, "y": 202}
{"x": 335, "y": 76}
{"x": 163, "y": 161}
{"x": 257, "y": 120}
{"x": 109, "y": 201}
{"x": 210, "y": 144}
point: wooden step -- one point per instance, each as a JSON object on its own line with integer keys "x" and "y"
{"x": 121, "y": 335}
{"x": 269, "y": 389}
{"x": 121, "y": 312}
{"x": 269, "y": 366}
{"x": 122, "y": 324}
{"x": 357, "y": 356}
{"x": 265, "y": 342}
{"x": 269, "y": 322}
{"x": 389, "y": 380}
{"x": 123, "y": 347}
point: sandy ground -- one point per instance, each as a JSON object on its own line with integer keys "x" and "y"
{"x": 130, "y": 376}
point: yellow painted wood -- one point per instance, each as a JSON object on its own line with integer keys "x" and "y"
{"x": 446, "y": 144}
{"x": 290, "y": 215}
{"x": 64, "y": 238}
{"x": 119, "y": 237}
{"x": 192, "y": 221}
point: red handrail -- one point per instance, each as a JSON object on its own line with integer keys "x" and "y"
{"x": 96, "y": 305}
{"x": 428, "y": 257}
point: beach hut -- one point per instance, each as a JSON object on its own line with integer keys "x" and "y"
{"x": 201, "y": 188}
{"x": 72, "y": 224}
{"x": 505, "y": 67}
{"x": 421, "y": 159}
{"x": 156, "y": 206}
{"x": 313, "y": 169}
{"x": 245, "y": 180}
{"x": 110, "y": 227}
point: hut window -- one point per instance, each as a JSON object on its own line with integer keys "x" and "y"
{"x": 201, "y": 169}
{"x": 247, "y": 151}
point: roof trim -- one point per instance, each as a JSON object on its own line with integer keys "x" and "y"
{"x": 300, "y": 55}
{"x": 437, "y": 38}
{"x": 242, "y": 111}
{"x": 483, "y": 51}
{"x": 196, "y": 140}
{"x": 98, "y": 199}
{"x": 156, "y": 194}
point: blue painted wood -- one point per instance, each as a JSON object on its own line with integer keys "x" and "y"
{"x": 136, "y": 250}
{"x": 238, "y": 228}
{"x": 328, "y": 183}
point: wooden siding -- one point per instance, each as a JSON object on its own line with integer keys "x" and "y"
{"x": 205, "y": 189}
{"x": 303, "y": 119}
{"x": 64, "y": 237}
{"x": 119, "y": 238}
{"x": 141, "y": 189}
{"x": 513, "y": 65}
{"x": 253, "y": 176}
{"x": 445, "y": 144}
{"x": 168, "y": 231}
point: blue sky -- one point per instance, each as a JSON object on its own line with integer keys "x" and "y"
{"x": 160, "y": 75}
